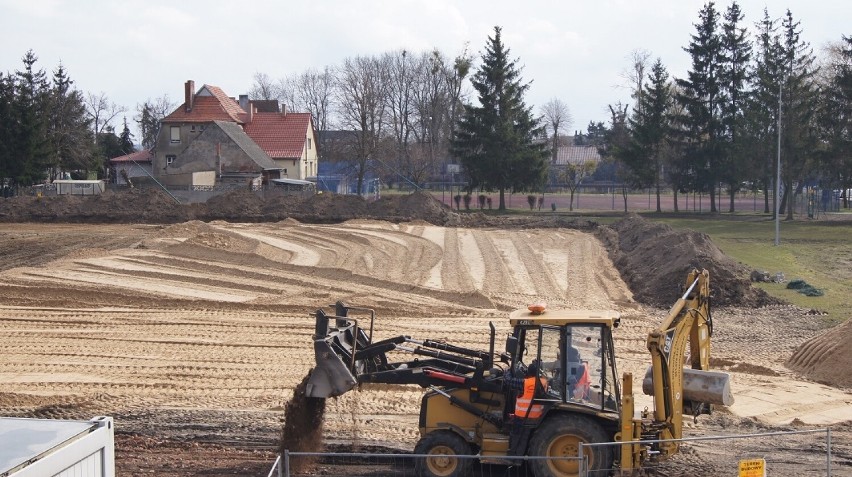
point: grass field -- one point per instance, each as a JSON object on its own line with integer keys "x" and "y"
{"x": 819, "y": 252}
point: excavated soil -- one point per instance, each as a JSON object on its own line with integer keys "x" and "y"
{"x": 195, "y": 335}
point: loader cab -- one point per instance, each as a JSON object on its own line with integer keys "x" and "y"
{"x": 574, "y": 352}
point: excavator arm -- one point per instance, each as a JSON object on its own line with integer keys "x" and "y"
{"x": 677, "y": 389}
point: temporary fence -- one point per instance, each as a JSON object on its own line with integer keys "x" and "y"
{"x": 807, "y": 455}
{"x": 781, "y": 453}
{"x": 362, "y": 464}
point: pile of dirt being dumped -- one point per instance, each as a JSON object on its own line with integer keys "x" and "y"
{"x": 826, "y": 358}
{"x": 654, "y": 259}
{"x": 303, "y": 421}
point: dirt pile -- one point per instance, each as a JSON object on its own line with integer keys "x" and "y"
{"x": 131, "y": 206}
{"x": 303, "y": 425}
{"x": 826, "y": 358}
{"x": 241, "y": 205}
{"x": 653, "y": 260}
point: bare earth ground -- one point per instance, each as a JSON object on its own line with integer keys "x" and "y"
{"x": 194, "y": 335}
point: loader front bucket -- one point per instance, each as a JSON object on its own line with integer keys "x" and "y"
{"x": 331, "y": 377}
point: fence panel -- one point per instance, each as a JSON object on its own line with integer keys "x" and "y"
{"x": 785, "y": 453}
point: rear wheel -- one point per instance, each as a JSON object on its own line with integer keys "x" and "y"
{"x": 560, "y": 436}
{"x": 442, "y": 447}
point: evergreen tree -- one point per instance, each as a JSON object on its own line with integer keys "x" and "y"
{"x": 500, "y": 142}
{"x": 701, "y": 96}
{"x": 650, "y": 129}
{"x": 31, "y": 147}
{"x": 760, "y": 123}
{"x": 799, "y": 100}
{"x": 69, "y": 128}
{"x": 736, "y": 55}
{"x": 126, "y": 139}
{"x": 836, "y": 121}
{"x": 7, "y": 128}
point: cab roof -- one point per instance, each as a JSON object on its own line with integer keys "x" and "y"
{"x": 524, "y": 316}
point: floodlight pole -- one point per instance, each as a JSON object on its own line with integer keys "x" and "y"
{"x": 778, "y": 172}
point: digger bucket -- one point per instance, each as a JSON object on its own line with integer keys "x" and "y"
{"x": 711, "y": 387}
{"x": 331, "y": 377}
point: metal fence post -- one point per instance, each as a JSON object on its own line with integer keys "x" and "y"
{"x": 828, "y": 451}
{"x": 581, "y": 465}
{"x": 284, "y": 470}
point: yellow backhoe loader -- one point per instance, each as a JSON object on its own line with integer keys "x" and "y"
{"x": 554, "y": 386}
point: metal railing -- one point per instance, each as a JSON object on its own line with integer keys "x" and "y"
{"x": 353, "y": 464}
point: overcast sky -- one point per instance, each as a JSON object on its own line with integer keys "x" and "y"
{"x": 576, "y": 51}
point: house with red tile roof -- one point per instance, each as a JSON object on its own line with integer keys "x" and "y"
{"x": 253, "y": 142}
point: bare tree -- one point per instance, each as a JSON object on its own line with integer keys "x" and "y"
{"x": 557, "y": 119}
{"x": 361, "y": 98}
{"x": 401, "y": 70}
{"x": 314, "y": 90}
{"x": 634, "y": 75}
{"x": 574, "y": 174}
{"x": 264, "y": 88}
{"x": 101, "y": 112}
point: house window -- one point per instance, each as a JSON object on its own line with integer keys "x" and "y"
{"x": 175, "y": 134}
{"x": 170, "y": 159}
{"x": 192, "y": 128}
{"x": 285, "y": 172}
{"x": 309, "y": 143}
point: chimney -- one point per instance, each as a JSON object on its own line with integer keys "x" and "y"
{"x": 244, "y": 102}
{"x": 283, "y": 109}
{"x": 189, "y": 95}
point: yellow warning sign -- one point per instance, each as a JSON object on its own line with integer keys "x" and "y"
{"x": 753, "y": 468}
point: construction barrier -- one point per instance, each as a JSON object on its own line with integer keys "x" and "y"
{"x": 768, "y": 453}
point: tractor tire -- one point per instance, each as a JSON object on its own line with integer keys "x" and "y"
{"x": 560, "y": 436}
{"x": 442, "y": 445}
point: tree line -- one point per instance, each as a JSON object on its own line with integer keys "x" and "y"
{"x": 745, "y": 100}
{"x": 51, "y": 130}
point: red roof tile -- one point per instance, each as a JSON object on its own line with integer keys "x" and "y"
{"x": 138, "y": 156}
{"x": 280, "y": 135}
{"x": 216, "y": 107}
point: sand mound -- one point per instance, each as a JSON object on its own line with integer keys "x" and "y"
{"x": 826, "y": 358}
{"x": 654, "y": 259}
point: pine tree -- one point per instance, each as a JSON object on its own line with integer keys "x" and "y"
{"x": 7, "y": 129}
{"x": 126, "y": 139}
{"x": 736, "y": 55}
{"x": 836, "y": 121}
{"x": 701, "y": 97}
{"x": 500, "y": 142}
{"x": 31, "y": 150}
{"x": 761, "y": 107}
{"x": 799, "y": 100}
{"x": 650, "y": 129}
{"x": 69, "y": 128}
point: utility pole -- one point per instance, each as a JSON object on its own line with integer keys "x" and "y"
{"x": 778, "y": 172}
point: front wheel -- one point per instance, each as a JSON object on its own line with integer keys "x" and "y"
{"x": 560, "y": 436}
{"x": 441, "y": 447}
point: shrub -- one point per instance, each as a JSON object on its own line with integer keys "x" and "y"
{"x": 481, "y": 199}
{"x": 467, "y": 199}
{"x": 531, "y": 201}
{"x": 457, "y": 200}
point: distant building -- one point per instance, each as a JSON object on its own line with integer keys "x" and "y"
{"x": 129, "y": 166}
{"x": 213, "y": 139}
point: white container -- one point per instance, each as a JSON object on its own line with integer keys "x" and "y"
{"x": 47, "y": 447}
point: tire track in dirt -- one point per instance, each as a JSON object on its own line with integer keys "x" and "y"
{"x": 531, "y": 246}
